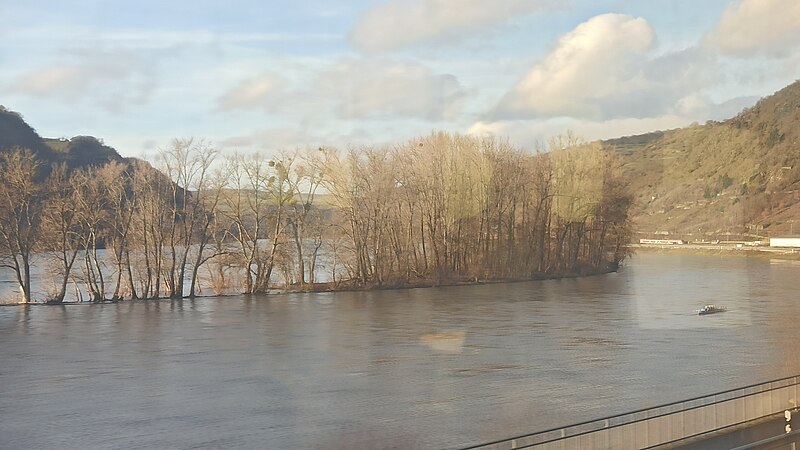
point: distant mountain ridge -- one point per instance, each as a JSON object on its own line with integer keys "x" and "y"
{"x": 738, "y": 176}
{"x": 80, "y": 151}
{"x": 730, "y": 178}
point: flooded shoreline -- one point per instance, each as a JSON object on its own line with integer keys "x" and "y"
{"x": 410, "y": 368}
{"x": 329, "y": 288}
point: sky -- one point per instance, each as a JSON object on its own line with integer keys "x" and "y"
{"x": 256, "y": 75}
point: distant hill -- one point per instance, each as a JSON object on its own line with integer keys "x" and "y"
{"x": 15, "y": 133}
{"x": 738, "y": 176}
{"x": 80, "y": 151}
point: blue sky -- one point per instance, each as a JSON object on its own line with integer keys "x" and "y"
{"x": 257, "y": 75}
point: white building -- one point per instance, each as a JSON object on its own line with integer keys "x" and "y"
{"x": 785, "y": 242}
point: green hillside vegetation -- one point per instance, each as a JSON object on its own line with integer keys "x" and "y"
{"x": 739, "y": 176}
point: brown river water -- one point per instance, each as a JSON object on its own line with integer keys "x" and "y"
{"x": 421, "y": 368}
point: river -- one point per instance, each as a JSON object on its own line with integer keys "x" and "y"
{"x": 420, "y": 368}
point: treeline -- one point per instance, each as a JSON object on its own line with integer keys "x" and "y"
{"x": 437, "y": 209}
{"x": 451, "y": 207}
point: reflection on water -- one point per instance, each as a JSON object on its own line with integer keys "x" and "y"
{"x": 423, "y": 368}
{"x": 449, "y": 341}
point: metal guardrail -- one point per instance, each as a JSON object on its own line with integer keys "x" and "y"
{"x": 666, "y": 423}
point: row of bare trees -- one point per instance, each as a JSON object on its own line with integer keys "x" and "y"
{"x": 449, "y": 207}
{"x": 437, "y": 209}
{"x": 129, "y": 230}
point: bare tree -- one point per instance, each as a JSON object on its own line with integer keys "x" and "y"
{"x": 20, "y": 215}
{"x": 119, "y": 191}
{"x": 302, "y": 182}
{"x": 188, "y": 164}
{"x": 448, "y": 207}
{"x": 209, "y": 194}
{"x": 94, "y": 207}
{"x": 151, "y": 223}
{"x": 257, "y": 212}
{"x": 62, "y": 231}
{"x": 438, "y": 209}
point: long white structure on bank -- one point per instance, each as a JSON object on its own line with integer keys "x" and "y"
{"x": 785, "y": 242}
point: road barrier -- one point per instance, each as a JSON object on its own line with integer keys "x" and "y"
{"x": 665, "y": 424}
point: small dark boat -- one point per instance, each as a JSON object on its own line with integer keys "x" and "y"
{"x": 710, "y": 309}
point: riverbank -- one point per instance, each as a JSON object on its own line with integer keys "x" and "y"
{"x": 350, "y": 286}
{"x": 721, "y": 250}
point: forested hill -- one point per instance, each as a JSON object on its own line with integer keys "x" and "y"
{"x": 80, "y": 151}
{"x": 738, "y": 176}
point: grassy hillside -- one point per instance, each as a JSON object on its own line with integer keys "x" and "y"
{"x": 737, "y": 176}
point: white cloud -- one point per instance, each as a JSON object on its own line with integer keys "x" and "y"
{"x": 700, "y": 107}
{"x": 109, "y": 78}
{"x": 396, "y": 24}
{"x": 50, "y": 80}
{"x": 155, "y": 39}
{"x": 270, "y": 139}
{"x": 593, "y": 71}
{"x": 252, "y": 93}
{"x": 750, "y": 27}
{"x": 386, "y": 89}
{"x": 353, "y": 89}
{"x": 288, "y": 137}
{"x": 535, "y": 134}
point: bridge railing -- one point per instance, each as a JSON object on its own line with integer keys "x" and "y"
{"x": 667, "y": 423}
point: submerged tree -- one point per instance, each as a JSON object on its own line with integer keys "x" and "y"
{"x": 449, "y": 207}
{"x": 187, "y": 163}
{"x": 437, "y": 209}
{"x": 62, "y": 231}
{"x": 95, "y": 206}
{"x": 257, "y": 211}
{"x": 20, "y": 215}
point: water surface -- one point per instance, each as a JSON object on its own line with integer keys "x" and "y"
{"x": 420, "y": 368}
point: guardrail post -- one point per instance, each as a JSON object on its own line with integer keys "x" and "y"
{"x": 716, "y": 418}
